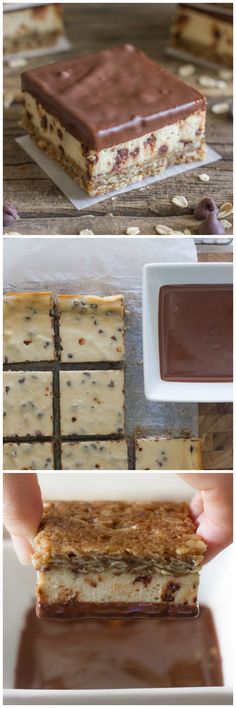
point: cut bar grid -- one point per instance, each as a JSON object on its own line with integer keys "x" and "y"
{"x": 56, "y": 367}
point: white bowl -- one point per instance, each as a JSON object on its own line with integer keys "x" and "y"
{"x": 216, "y": 591}
{"x": 156, "y": 275}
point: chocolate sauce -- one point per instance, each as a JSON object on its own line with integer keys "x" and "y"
{"x": 114, "y": 610}
{"x": 112, "y": 96}
{"x": 196, "y": 332}
{"x": 118, "y": 654}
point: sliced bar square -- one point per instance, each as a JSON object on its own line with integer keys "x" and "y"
{"x": 164, "y": 453}
{"x": 117, "y": 559}
{"x": 92, "y": 402}
{"x": 94, "y": 455}
{"x": 28, "y": 456}
{"x": 91, "y": 328}
{"x": 28, "y": 327}
{"x": 27, "y": 408}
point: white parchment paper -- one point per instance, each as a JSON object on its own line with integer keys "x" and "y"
{"x": 78, "y": 196}
{"x": 105, "y": 266}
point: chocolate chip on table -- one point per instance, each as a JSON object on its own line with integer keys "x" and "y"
{"x": 205, "y": 207}
{"x": 211, "y": 226}
{"x": 9, "y": 213}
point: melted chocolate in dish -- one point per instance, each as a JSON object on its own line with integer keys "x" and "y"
{"x": 118, "y": 654}
{"x": 196, "y": 332}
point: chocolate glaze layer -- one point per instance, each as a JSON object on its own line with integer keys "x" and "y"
{"x": 118, "y": 654}
{"x": 117, "y": 610}
{"x": 113, "y": 96}
{"x": 196, "y": 332}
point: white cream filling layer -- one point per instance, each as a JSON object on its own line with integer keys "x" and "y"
{"x": 58, "y": 585}
{"x": 156, "y": 145}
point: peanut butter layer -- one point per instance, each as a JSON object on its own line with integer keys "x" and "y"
{"x": 136, "y": 537}
{"x": 113, "y": 96}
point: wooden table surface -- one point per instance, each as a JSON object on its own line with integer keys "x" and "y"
{"x": 43, "y": 209}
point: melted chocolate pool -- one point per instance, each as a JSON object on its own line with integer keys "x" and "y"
{"x": 196, "y": 332}
{"x": 118, "y": 653}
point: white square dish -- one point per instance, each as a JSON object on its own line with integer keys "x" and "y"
{"x": 216, "y": 591}
{"x": 156, "y": 275}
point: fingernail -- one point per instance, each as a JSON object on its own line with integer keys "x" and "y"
{"x": 23, "y": 549}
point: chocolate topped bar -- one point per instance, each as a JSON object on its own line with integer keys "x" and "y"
{"x": 113, "y": 118}
{"x": 204, "y": 30}
{"x": 94, "y": 558}
{"x": 112, "y": 96}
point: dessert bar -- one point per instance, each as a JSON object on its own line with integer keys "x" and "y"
{"x": 205, "y": 30}
{"x": 28, "y": 328}
{"x": 117, "y": 559}
{"x": 168, "y": 454}
{"x": 113, "y": 118}
{"x": 91, "y": 328}
{"x": 92, "y": 402}
{"x": 27, "y": 408}
{"x": 38, "y": 25}
{"x": 94, "y": 455}
{"x": 28, "y": 456}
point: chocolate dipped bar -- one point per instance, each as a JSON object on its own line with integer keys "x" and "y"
{"x": 117, "y": 559}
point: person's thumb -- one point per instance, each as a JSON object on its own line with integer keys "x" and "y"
{"x": 22, "y": 511}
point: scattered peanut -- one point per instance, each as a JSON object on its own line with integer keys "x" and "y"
{"x": 186, "y": 70}
{"x": 220, "y": 108}
{"x": 226, "y": 74}
{"x": 132, "y": 231}
{"x": 209, "y": 82}
{"x": 163, "y": 230}
{"x": 204, "y": 177}
{"x": 225, "y": 210}
{"x": 227, "y": 224}
{"x": 16, "y": 63}
{"x": 180, "y": 201}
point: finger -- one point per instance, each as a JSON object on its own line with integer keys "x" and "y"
{"x": 22, "y": 508}
{"x": 196, "y": 506}
{"x": 23, "y": 549}
{"x": 215, "y": 519}
{"x": 204, "y": 481}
